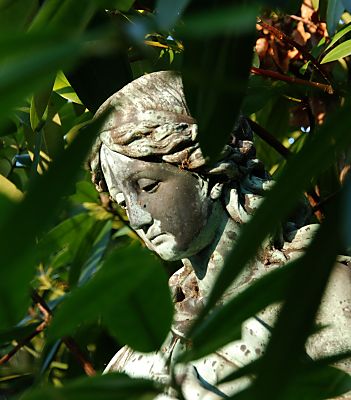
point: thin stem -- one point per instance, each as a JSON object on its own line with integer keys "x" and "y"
{"x": 68, "y": 341}
{"x": 269, "y": 138}
{"x": 292, "y": 79}
{"x": 306, "y": 55}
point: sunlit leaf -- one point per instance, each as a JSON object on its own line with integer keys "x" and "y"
{"x": 9, "y": 189}
{"x": 340, "y": 51}
{"x": 342, "y": 32}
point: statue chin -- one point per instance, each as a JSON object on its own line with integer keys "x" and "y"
{"x": 148, "y": 158}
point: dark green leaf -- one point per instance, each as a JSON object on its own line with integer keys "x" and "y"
{"x": 238, "y": 19}
{"x": 128, "y": 272}
{"x": 334, "y": 12}
{"x": 83, "y": 251}
{"x": 168, "y": 12}
{"x": 105, "y": 387}
{"x": 215, "y": 76}
{"x": 29, "y": 218}
{"x": 143, "y": 319}
{"x": 15, "y": 14}
{"x": 17, "y": 333}
{"x": 29, "y": 61}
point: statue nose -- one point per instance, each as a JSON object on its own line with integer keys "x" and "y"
{"x": 138, "y": 216}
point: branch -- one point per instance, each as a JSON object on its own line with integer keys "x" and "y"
{"x": 68, "y": 341}
{"x": 269, "y": 138}
{"x": 292, "y": 79}
{"x": 23, "y": 343}
{"x": 306, "y": 55}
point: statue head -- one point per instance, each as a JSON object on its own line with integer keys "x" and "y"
{"x": 149, "y": 159}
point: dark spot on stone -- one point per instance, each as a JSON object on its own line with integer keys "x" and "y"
{"x": 247, "y": 352}
{"x": 232, "y": 235}
{"x": 251, "y": 332}
{"x": 144, "y": 205}
{"x": 242, "y": 347}
{"x": 179, "y": 296}
{"x": 140, "y": 357}
{"x": 214, "y": 363}
{"x": 258, "y": 351}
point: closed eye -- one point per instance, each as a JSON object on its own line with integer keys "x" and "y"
{"x": 148, "y": 185}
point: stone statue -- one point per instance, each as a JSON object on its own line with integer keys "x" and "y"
{"x": 149, "y": 160}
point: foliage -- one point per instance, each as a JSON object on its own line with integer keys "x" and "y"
{"x": 71, "y": 266}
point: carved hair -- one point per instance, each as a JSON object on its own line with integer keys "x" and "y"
{"x": 150, "y": 120}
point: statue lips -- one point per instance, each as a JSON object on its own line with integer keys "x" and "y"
{"x": 154, "y": 236}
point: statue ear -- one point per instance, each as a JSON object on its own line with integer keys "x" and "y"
{"x": 216, "y": 191}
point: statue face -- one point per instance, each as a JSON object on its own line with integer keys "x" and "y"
{"x": 169, "y": 208}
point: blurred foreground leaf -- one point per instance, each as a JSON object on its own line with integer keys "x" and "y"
{"x": 217, "y": 61}
{"x": 27, "y": 62}
{"x": 131, "y": 292}
{"x": 106, "y": 387}
{"x": 26, "y": 221}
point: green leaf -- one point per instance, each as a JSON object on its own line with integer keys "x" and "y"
{"x": 28, "y": 62}
{"x": 144, "y": 318}
{"x": 214, "y": 75}
{"x": 131, "y": 272}
{"x": 347, "y": 5}
{"x": 73, "y": 16}
{"x": 334, "y": 12}
{"x": 340, "y": 51}
{"x": 15, "y": 14}
{"x": 83, "y": 252}
{"x": 39, "y": 103}
{"x": 346, "y": 29}
{"x": 168, "y": 12}
{"x": 45, "y": 14}
{"x": 17, "y": 333}
{"x": 64, "y": 89}
{"x": 67, "y": 234}
{"x": 105, "y": 387}
{"x": 238, "y": 19}
{"x": 31, "y": 217}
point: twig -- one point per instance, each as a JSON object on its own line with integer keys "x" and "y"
{"x": 304, "y": 20}
{"x": 68, "y": 341}
{"x": 269, "y": 138}
{"x": 22, "y": 343}
{"x": 322, "y": 203}
{"x": 292, "y": 79}
{"x": 306, "y": 55}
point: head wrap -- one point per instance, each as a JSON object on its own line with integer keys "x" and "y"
{"x": 149, "y": 119}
